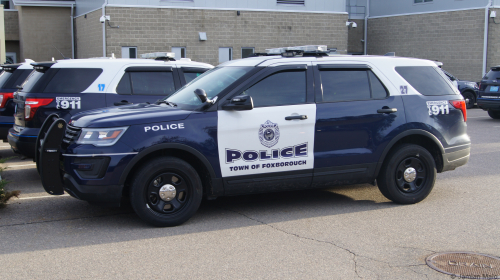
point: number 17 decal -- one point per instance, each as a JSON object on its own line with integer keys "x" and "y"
{"x": 101, "y": 87}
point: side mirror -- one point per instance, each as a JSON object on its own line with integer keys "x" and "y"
{"x": 239, "y": 103}
{"x": 202, "y": 95}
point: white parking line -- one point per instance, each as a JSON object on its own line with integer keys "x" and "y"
{"x": 29, "y": 164}
{"x": 45, "y": 196}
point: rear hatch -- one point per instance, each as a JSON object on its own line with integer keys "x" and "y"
{"x": 10, "y": 78}
{"x": 490, "y": 84}
{"x": 55, "y": 90}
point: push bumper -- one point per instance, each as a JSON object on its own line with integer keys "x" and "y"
{"x": 108, "y": 195}
{"x": 23, "y": 142}
{"x": 455, "y": 157}
{"x": 488, "y": 104}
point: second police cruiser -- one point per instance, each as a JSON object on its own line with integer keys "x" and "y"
{"x": 297, "y": 120}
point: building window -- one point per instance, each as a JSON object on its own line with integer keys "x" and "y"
{"x": 225, "y": 54}
{"x": 247, "y": 52}
{"x": 6, "y": 4}
{"x": 292, "y": 2}
{"x": 129, "y": 52}
{"x": 180, "y": 52}
{"x": 422, "y": 1}
{"x": 11, "y": 58}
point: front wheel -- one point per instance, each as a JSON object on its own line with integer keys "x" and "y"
{"x": 470, "y": 99}
{"x": 494, "y": 114}
{"x": 407, "y": 175}
{"x": 166, "y": 191}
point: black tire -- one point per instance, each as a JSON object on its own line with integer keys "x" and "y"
{"x": 391, "y": 180}
{"x": 166, "y": 172}
{"x": 470, "y": 99}
{"x": 494, "y": 114}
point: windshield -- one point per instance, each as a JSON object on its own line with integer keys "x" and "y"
{"x": 213, "y": 82}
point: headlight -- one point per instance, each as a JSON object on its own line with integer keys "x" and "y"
{"x": 101, "y": 136}
{"x": 473, "y": 85}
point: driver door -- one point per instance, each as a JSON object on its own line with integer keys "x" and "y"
{"x": 270, "y": 147}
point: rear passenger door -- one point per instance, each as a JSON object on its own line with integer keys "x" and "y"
{"x": 356, "y": 117}
{"x": 140, "y": 84}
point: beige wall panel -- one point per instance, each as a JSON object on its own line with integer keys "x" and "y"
{"x": 88, "y": 32}
{"x": 493, "y": 41}
{"x": 11, "y": 25}
{"x": 152, "y": 30}
{"x": 42, "y": 28}
{"x": 454, "y": 38}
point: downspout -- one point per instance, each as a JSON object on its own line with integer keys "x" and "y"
{"x": 367, "y": 14}
{"x": 104, "y": 29}
{"x": 72, "y": 33}
{"x": 485, "y": 45}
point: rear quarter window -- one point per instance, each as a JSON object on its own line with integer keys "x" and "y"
{"x": 72, "y": 80}
{"x": 425, "y": 79}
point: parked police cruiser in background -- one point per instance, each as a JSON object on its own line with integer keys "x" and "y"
{"x": 264, "y": 124}
{"x": 67, "y": 87}
{"x": 12, "y": 75}
{"x": 489, "y": 93}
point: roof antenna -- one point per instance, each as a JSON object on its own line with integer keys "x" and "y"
{"x": 60, "y": 52}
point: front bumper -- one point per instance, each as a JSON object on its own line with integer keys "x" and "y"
{"x": 23, "y": 142}
{"x": 488, "y": 104}
{"x": 455, "y": 157}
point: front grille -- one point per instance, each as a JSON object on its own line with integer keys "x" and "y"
{"x": 71, "y": 135}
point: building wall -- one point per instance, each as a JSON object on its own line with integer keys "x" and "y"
{"x": 356, "y": 35}
{"x": 310, "y": 5}
{"x": 11, "y": 19}
{"x": 153, "y": 29}
{"x": 454, "y": 38}
{"x": 43, "y": 28}
{"x": 88, "y": 34}
{"x": 493, "y": 58}
{"x": 398, "y": 7}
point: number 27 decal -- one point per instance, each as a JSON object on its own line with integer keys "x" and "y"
{"x": 68, "y": 103}
{"x": 437, "y": 107}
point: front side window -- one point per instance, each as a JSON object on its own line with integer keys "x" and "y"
{"x": 426, "y": 79}
{"x": 282, "y": 88}
{"x": 212, "y": 82}
{"x": 189, "y": 76}
{"x": 351, "y": 84}
{"x": 146, "y": 83}
{"x": 72, "y": 80}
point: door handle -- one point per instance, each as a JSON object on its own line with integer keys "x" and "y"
{"x": 123, "y": 102}
{"x": 387, "y": 110}
{"x": 298, "y": 117}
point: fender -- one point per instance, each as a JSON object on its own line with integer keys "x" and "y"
{"x": 401, "y": 136}
{"x": 164, "y": 146}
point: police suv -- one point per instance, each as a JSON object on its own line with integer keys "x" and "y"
{"x": 12, "y": 75}
{"x": 66, "y": 87}
{"x": 271, "y": 123}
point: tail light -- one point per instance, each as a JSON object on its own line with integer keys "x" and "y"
{"x": 460, "y": 104}
{"x": 4, "y": 97}
{"x": 32, "y": 104}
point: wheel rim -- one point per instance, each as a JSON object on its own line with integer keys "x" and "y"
{"x": 167, "y": 193}
{"x": 411, "y": 175}
{"x": 469, "y": 100}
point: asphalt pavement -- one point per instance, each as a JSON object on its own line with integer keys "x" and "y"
{"x": 348, "y": 232}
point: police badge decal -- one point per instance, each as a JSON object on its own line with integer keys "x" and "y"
{"x": 269, "y": 134}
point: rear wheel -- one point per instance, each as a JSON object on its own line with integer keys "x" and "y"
{"x": 166, "y": 191}
{"x": 408, "y": 174}
{"x": 470, "y": 99}
{"x": 494, "y": 114}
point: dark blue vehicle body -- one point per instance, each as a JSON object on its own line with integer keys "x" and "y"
{"x": 489, "y": 93}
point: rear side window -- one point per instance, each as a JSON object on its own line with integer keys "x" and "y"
{"x": 351, "y": 84}
{"x": 492, "y": 75}
{"x": 72, "y": 80}
{"x": 425, "y": 79}
{"x": 147, "y": 83}
{"x": 17, "y": 78}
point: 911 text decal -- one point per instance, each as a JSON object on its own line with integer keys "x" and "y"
{"x": 438, "y": 107}
{"x": 68, "y": 102}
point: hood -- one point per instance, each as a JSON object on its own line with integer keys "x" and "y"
{"x": 128, "y": 115}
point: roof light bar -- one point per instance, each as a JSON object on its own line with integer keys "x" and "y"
{"x": 155, "y": 55}
{"x": 309, "y": 48}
